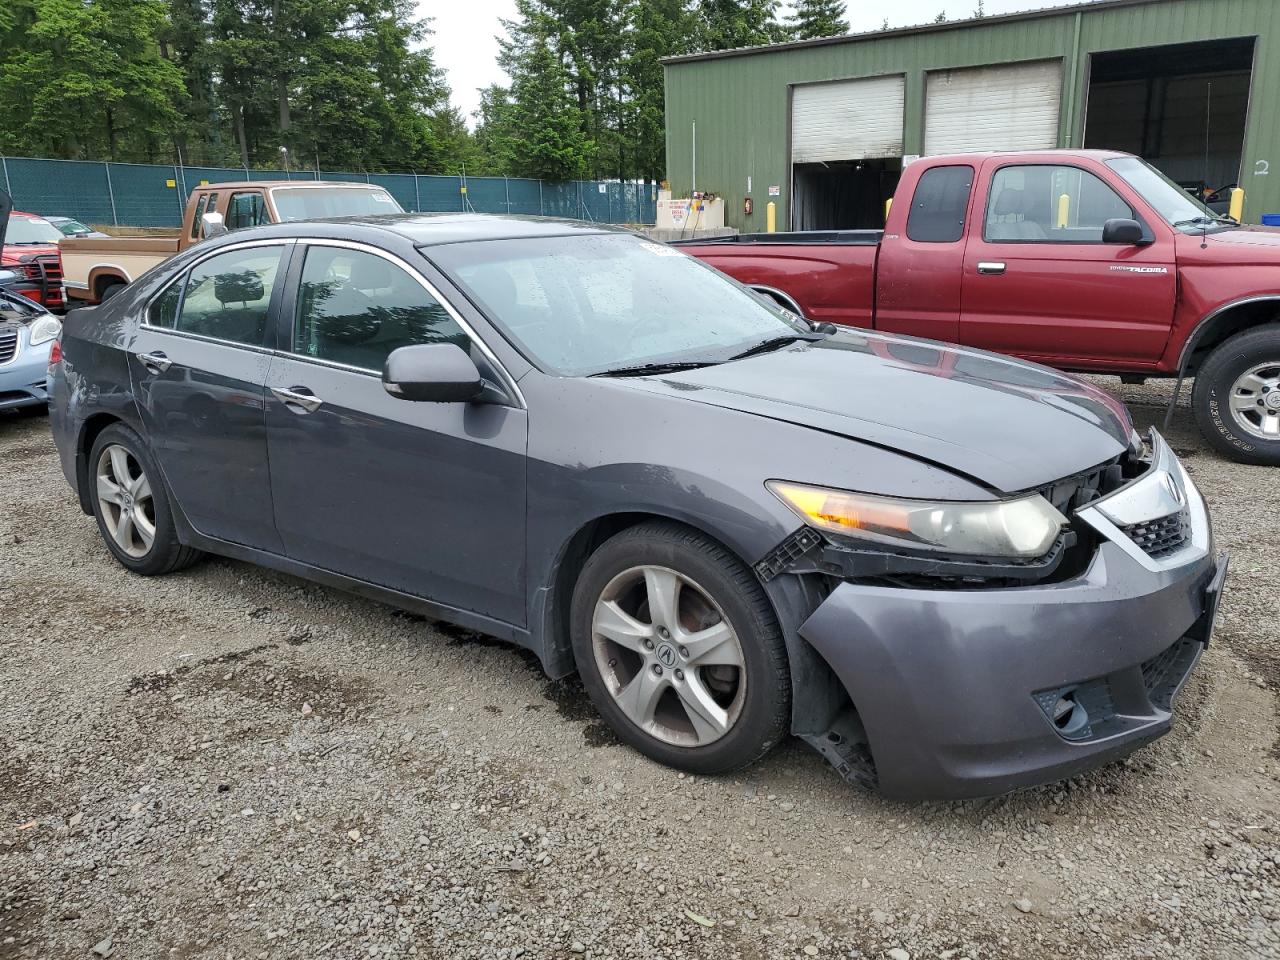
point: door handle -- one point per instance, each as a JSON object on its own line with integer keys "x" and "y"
{"x": 156, "y": 362}
{"x": 991, "y": 268}
{"x": 298, "y": 397}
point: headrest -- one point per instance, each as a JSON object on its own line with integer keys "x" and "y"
{"x": 1009, "y": 202}
{"x": 371, "y": 273}
{"x": 243, "y": 287}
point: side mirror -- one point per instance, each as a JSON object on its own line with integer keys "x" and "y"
{"x": 211, "y": 225}
{"x": 1123, "y": 231}
{"x": 432, "y": 372}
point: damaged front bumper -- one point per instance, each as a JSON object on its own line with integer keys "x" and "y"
{"x": 976, "y": 692}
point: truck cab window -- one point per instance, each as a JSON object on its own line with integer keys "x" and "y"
{"x": 1044, "y": 203}
{"x": 939, "y": 205}
{"x": 246, "y": 210}
{"x": 196, "y": 216}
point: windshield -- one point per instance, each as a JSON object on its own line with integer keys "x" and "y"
{"x": 1169, "y": 200}
{"x": 72, "y": 227}
{"x": 317, "y": 203}
{"x": 25, "y": 230}
{"x": 591, "y": 304}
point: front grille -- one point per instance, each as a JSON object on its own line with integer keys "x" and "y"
{"x": 46, "y": 270}
{"x": 1162, "y": 536}
{"x": 8, "y": 343}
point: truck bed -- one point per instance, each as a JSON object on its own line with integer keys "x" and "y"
{"x": 830, "y": 275}
{"x": 133, "y": 255}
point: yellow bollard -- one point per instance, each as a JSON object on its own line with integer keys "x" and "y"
{"x": 771, "y": 217}
{"x": 1064, "y": 211}
{"x": 888, "y": 205}
{"x": 1236, "y": 211}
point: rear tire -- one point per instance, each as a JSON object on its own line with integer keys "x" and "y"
{"x": 131, "y": 505}
{"x": 702, "y": 681}
{"x": 1236, "y": 398}
{"x": 110, "y": 290}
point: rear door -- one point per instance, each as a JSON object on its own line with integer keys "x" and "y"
{"x": 1039, "y": 282}
{"x": 199, "y": 363}
{"x": 425, "y": 498}
{"x": 919, "y": 273}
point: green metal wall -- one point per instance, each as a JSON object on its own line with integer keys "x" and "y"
{"x": 739, "y": 103}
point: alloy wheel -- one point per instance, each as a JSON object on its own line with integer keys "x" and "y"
{"x": 1255, "y": 401}
{"x": 669, "y": 657}
{"x": 125, "y": 502}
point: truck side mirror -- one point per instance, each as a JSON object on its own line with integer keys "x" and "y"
{"x": 1123, "y": 231}
{"x": 211, "y": 225}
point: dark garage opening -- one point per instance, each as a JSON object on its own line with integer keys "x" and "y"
{"x": 842, "y": 195}
{"x": 1154, "y": 102}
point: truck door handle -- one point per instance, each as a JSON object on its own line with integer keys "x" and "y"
{"x": 156, "y": 362}
{"x": 296, "y": 397}
{"x": 990, "y": 268}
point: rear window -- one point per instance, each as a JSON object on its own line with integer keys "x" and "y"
{"x": 939, "y": 205}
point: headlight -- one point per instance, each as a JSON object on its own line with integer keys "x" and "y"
{"x": 1022, "y": 528}
{"x": 45, "y": 328}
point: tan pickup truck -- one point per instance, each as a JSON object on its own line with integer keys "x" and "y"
{"x": 94, "y": 269}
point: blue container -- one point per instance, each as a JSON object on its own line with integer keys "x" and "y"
{"x": 1271, "y": 219}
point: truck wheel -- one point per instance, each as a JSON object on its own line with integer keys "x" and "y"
{"x": 1237, "y": 397}
{"x": 110, "y": 290}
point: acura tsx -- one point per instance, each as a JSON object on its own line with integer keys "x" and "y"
{"x": 951, "y": 573}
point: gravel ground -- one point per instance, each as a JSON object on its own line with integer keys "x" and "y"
{"x": 230, "y": 763}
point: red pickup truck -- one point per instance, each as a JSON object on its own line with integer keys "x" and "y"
{"x": 1084, "y": 260}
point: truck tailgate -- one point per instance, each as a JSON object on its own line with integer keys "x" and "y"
{"x": 829, "y": 281}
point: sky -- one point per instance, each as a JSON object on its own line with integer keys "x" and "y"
{"x": 465, "y": 46}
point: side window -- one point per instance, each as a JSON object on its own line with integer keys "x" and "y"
{"x": 164, "y": 308}
{"x": 246, "y": 210}
{"x": 355, "y": 308}
{"x": 939, "y": 204}
{"x": 196, "y": 215}
{"x": 1042, "y": 203}
{"x": 228, "y": 295}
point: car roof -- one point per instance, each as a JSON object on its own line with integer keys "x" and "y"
{"x": 433, "y": 229}
{"x": 272, "y": 184}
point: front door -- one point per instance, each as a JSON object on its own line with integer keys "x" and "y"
{"x": 425, "y": 498}
{"x": 199, "y": 366}
{"x": 1039, "y": 282}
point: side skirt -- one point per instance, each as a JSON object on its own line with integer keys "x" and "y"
{"x": 362, "y": 588}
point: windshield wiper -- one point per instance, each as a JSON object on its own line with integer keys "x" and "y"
{"x": 773, "y": 343}
{"x": 1203, "y": 220}
{"x": 645, "y": 369}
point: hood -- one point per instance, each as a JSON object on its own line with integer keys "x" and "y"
{"x": 1009, "y": 425}
{"x": 1264, "y": 241}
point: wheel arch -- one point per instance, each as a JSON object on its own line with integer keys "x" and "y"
{"x": 1223, "y": 323}
{"x": 90, "y": 430}
{"x": 781, "y": 297}
{"x": 105, "y": 275}
{"x": 816, "y": 694}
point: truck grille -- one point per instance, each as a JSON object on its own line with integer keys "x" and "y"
{"x": 46, "y": 270}
{"x": 1162, "y": 536}
{"x": 8, "y": 343}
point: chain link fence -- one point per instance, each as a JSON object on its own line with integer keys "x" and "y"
{"x": 155, "y": 195}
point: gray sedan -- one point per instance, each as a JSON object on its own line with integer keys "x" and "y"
{"x": 951, "y": 573}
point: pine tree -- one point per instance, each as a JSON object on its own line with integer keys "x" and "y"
{"x": 812, "y": 19}
{"x": 546, "y": 122}
{"x": 739, "y": 23}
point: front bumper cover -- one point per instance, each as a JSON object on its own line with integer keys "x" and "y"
{"x": 22, "y": 379}
{"x": 951, "y": 685}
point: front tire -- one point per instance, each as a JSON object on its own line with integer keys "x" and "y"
{"x": 679, "y": 649}
{"x": 1236, "y": 397}
{"x": 131, "y": 505}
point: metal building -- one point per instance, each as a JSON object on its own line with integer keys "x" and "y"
{"x": 823, "y": 127}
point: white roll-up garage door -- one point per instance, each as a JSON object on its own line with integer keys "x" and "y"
{"x": 1009, "y": 107}
{"x": 847, "y": 120}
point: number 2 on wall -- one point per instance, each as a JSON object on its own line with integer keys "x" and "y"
{"x": 1261, "y": 168}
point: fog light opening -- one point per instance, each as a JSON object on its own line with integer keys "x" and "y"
{"x": 1069, "y": 715}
